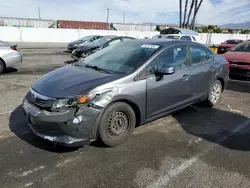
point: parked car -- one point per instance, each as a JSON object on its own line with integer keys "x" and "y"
{"x": 85, "y": 50}
{"x": 108, "y": 93}
{"x": 9, "y": 56}
{"x": 176, "y": 37}
{"x": 74, "y": 44}
{"x": 228, "y": 45}
{"x": 239, "y": 59}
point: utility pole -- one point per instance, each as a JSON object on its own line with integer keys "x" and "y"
{"x": 107, "y": 15}
{"x": 123, "y": 18}
{"x": 39, "y": 15}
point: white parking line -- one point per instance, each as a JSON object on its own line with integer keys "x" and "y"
{"x": 164, "y": 180}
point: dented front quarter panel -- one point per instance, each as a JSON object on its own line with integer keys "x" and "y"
{"x": 126, "y": 90}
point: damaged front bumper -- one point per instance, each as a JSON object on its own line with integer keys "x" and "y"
{"x": 71, "y": 127}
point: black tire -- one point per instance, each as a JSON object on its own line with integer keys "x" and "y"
{"x": 110, "y": 130}
{"x": 2, "y": 66}
{"x": 214, "y": 93}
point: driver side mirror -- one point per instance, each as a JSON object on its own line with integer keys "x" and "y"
{"x": 165, "y": 71}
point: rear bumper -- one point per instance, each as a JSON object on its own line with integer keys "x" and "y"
{"x": 14, "y": 59}
{"x": 71, "y": 128}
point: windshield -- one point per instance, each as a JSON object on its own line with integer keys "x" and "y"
{"x": 101, "y": 41}
{"x": 122, "y": 58}
{"x": 172, "y": 37}
{"x": 232, "y": 42}
{"x": 86, "y": 38}
{"x": 242, "y": 48}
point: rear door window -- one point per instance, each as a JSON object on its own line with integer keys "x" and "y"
{"x": 200, "y": 55}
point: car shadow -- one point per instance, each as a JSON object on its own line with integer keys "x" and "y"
{"x": 221, "y": 127}
{"x": 9, "y": 70}
{"x": 69, "y": 61}
{"x": 19, "y": 126}
{"x": 239, "y": 86}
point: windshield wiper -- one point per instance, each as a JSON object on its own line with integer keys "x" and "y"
{"x": 97, "y": 68}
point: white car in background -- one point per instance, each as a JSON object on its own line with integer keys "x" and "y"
{"x": 9, "y": 56}
{"x": 176, "y": 36}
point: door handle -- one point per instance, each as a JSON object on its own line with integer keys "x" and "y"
{"x": 211, "y": 69}
{"x": 185, "y": 77}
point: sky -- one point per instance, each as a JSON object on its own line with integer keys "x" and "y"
{"x": 216, "y": 12}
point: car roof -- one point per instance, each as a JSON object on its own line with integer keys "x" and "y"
{"x": 161, "y": 42}
{"x": 176, "y": 35}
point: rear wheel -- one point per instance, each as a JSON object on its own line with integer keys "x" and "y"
{"x": 214, "y": 93}
{"x": 2, "y": 66}
{"x": 117, "y": 124}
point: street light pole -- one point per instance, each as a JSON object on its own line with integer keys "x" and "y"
{"x": 39, "y": 15}
{"x": 123, "y": 17}
{"x": 107, "y": 15}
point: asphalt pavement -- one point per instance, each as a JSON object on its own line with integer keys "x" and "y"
{"x": 195, "y": 147}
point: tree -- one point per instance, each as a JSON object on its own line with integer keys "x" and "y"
{"x": 189, "y": 14}
{"x": 244, "y": 31}
{"x": 180, "y": 3}
{"x": 185, "y": 14}
{"x": 157, "y": 28}
{"x": 196, "y": 11}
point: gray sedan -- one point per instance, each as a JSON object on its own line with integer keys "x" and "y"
{"x": 108, "y": 93}
{"x": 9, "y": 56}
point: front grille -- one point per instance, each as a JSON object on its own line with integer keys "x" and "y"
{"x": 43, "y": 103}
{"x": 239, "y": 63}
{"x": 40, "y": 100}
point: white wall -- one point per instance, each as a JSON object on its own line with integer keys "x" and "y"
{"x": 67, "y": 35}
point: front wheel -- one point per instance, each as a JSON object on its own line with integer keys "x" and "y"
{"x": 214, "y": 93}
{"x": 117, "y": 124}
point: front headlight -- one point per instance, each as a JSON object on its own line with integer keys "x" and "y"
{"x": 79, "y": 100}
{"x": 76, "y": 44}
{"x": 59, "y": 103}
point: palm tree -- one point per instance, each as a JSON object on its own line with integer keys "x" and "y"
{"x": 189, "y": 14}
{"x": 180, "y": 3}
{"x": 196, "y": 11}
{"x": 195, "y": 8}
{"x": 185, "y": 13}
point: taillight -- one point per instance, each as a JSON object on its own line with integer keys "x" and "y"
{"x": 228, "y": 64}
{"x": 14, "y": 48}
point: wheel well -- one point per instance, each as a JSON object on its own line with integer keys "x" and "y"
{"x": 3, "y": 62}
{"x": 222, "y": 83}
{"x": 135, "y": 108}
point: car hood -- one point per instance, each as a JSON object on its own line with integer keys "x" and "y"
{"x": 69, "y": 81}
{"x": 237, "y": 56}
{"x": 86, "y": 47}
{"x": 227, "y": 45}
{"x": 76, "y": 42}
